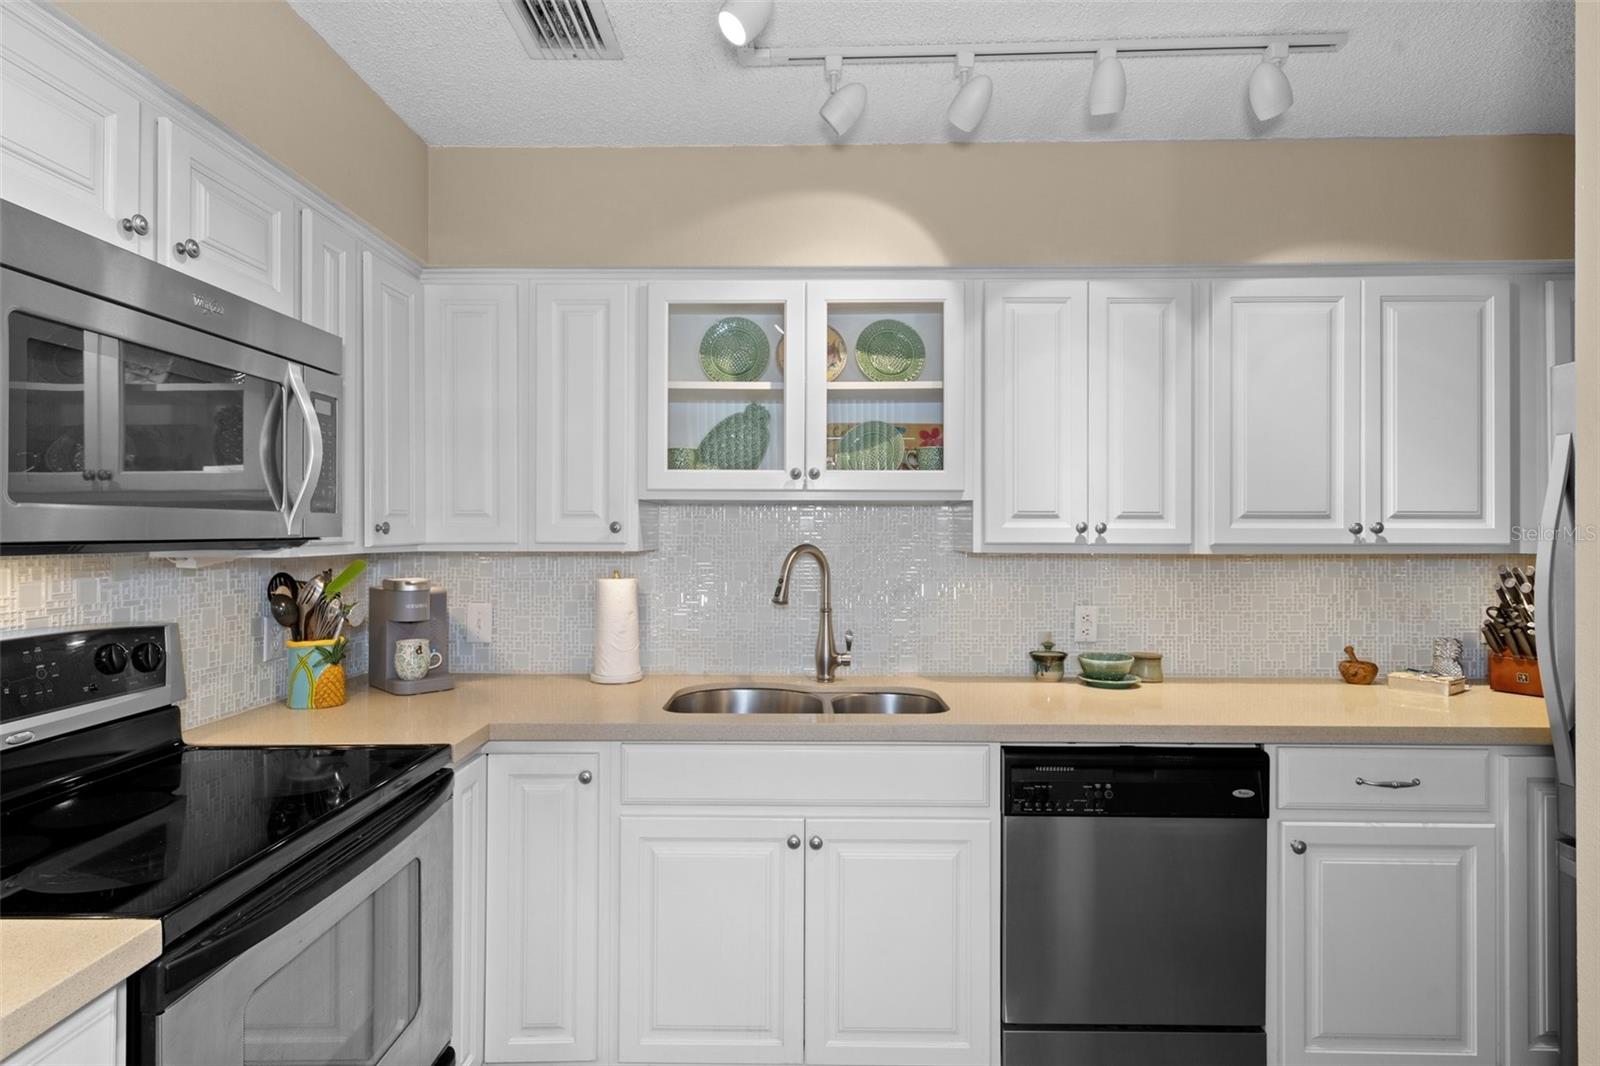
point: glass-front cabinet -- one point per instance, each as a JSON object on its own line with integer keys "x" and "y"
{"x": 849, "y": 386}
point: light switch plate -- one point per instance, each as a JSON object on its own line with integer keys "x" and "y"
{"x": 479, "y": 623}
{"x": 1086, "y": 625}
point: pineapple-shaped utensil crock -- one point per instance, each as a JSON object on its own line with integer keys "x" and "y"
{"x": 316, "y": 673}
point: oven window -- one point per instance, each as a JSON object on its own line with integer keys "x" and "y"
{"x": 348, "y": 996}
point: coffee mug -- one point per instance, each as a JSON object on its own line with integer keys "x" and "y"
{"x": 414, "y": 658}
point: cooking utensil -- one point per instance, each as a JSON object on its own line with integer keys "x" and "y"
{"x": 1356, "y": 671}
{"x": 1525, "y": 583}
{"x": 347, "y": 575}
{"x": 285, "y": 612}
{"x": 284, "y": 582}
{"x": 1491, "y": 637}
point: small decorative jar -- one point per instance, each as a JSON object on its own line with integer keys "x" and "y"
{"x": 1147, "y": 667}
{"x": 930, "y": 458}
{"x": 683, "y": 458}
{"x": 1048, "y": 663}
{"x": 316, "y": 673}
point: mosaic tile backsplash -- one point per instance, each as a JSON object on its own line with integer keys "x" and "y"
{"x": 917, "y": 602}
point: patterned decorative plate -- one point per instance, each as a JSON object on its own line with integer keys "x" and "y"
{"x": 838, "y": 354}
{"x": 738, "y": 442}
{"x": 890, "y": 350}
{"x": 734, "y": 349}
{"x": 871, "y": 446}
{"x": 1126, "y": 681}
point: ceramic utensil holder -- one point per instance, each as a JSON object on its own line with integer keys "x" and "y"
{"x": 314, "y": 681}
{"x": 1514, "y": 673}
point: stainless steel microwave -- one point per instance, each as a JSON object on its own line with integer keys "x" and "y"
{"x": 145, "y": 409}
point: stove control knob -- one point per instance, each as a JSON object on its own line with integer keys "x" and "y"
{"x": 110, "y": 659}
{"x": 147, "y": 656}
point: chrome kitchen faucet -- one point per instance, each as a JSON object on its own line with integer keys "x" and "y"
{"x": 828, "y": 657}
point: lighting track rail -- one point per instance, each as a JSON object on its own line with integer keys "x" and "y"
{"x": 1296, "y": 44}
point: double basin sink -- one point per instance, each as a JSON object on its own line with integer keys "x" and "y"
{"x": 776, "y": 699}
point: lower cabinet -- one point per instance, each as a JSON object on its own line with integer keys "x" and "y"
{"x": 1530, "y": 971}
{"x": 470, "y": 806}
{"x": 92, "y": 1035}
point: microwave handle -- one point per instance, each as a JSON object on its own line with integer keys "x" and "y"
{"x": 313, "y": 471}
{"x": 271, "y": 436}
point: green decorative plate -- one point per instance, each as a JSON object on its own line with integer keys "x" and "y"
{"x": 890, "y": 350}
{"x": 738, "y": 442}
{"x": 871, "y": 446}
{"x": 734, "y": 349}
{"x": 1122, "y": 682}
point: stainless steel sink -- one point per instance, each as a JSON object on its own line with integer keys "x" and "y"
{"x": 756, "y": 699}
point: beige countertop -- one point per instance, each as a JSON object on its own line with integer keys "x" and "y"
{"x": 485, "y": 707}
{"x": 51, "y": 967}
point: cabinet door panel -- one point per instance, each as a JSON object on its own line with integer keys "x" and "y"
{"x": 544, "y": 884}
{"x": 473, "y": 374}
{"x": 1285, "y": 411}
{"x": 1035, "y": 437}
{"x": 391, "y": 333}
{"x": 1388, "y": 943}
{"x": 470, "y": 809}
{"x": 69, "y": 137}
{"x": 897, "y": 942}
{"x": 711, "y": 950}
{"x": 241, "y": 219}
{"x": 1438, "y": 410}
{"x": 1140, "y": 401}
{"x": 1531, "y": 975}
{"x": 581, "y": 472}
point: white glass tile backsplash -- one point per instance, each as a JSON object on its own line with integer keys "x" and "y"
{"x": 917, "y": 602}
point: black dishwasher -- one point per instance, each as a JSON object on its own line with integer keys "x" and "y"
{"x": 1135, "y": 906}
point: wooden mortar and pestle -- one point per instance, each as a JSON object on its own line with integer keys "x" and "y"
{"x": 1356, "y": 671}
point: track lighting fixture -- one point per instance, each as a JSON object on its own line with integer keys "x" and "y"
{"x": 1270, "y": 92}
{"x": 845, "y": 102}
{"x": 972, "y": 99}
{"x": 1108, "y": 87}
{"x": 742, "y": 21}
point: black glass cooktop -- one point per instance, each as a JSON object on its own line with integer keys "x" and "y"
{"x": 178, "y": 833}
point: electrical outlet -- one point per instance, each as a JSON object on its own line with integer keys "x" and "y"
{"x": 479, "y": 623}
{"x": 1086, "y": 625}
{"x": 272, "y": 637}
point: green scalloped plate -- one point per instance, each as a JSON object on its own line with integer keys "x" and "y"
{"x": 890, "y": 350}
{"x": 871, "y": 446}
{"x": 734, "y": 349}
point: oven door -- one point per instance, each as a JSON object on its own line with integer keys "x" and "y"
{"x": 345, "y": 960}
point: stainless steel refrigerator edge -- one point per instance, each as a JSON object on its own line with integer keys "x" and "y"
{"x": 100, "y": 351}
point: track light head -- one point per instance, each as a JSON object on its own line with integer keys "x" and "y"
{"x": 972, "y": 99}
{"x": 1108, "y": 87}
{"x": 1269, "y": 90}
{"x": 741, "y": 21}
{"x": 845, "y": 102}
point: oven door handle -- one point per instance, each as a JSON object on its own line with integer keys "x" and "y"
{"x": 295, "y": 891}
{"x": 313, "y": 471}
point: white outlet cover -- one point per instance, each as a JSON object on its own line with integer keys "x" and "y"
{"x": 479, "y": 623}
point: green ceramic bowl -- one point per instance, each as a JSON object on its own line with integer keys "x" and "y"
{"x": 1105, "y": 665}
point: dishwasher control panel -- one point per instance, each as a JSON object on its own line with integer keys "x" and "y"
{"x": 1137, "y": 782}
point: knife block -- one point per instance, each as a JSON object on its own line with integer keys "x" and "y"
{"x": 1514, "y": 673}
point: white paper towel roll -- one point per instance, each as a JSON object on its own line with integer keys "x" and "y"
{"x": 616, "y": 631}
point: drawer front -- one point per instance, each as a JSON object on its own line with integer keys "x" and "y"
{"x": 935, "y": 775}
{"x": 1446, "y": 779}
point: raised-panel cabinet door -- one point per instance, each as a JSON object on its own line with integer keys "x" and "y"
{"x": 92, "y": 1035}
{"x": 1285, "y": 411}
{"x": 544, "y": 885}
{"x": 330, "y": 299}
{"x": 1387, "y": 943}
{"x": 1035, "y": 454}
{"x": 470, "y": 807}
{"x": 69, "y": 137}
{"x": 1531, "y": 973}
{"x": 391, "y": 336}
{"x": 234, "y": 223}
{"x": 897, "y": 942}
{"x": 1140, "y": 403}
{"x": 584, "y": 425}
{"x": 472, "y": 411}
{"x": 1437, "y": 398}
{"x": 711, "y": 952}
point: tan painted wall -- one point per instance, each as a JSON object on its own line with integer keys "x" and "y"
{"x": 1003, "y": 204}
{"x": 259, "y": 69}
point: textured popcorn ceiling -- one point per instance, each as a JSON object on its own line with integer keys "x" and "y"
{"x": 456, "y": 73}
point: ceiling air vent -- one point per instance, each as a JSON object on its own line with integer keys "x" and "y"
{"x": 563, "y": 29}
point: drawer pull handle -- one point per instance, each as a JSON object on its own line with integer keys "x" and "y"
{"x": 1413, "y": 783}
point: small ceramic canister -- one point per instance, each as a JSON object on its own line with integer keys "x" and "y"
{"x": 930, "y": 458}
{"x": 1147, "y": 667}
{"x": 414, "y": 658}
{"x": 1048, "y": 663}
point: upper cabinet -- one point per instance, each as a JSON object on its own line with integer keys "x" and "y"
{"x": 777, "y": 387}
{"x": 69, "y": 138}
{"x": 222, "y": 220}
{"x": 392, "y": 365}
{"x": 330, "y": 299}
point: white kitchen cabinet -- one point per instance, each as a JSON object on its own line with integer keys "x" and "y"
{"x": 1437, "y": 410}
{"x": 1386, "y": 935}
{"x": 473, "y": 413}
{"x": 470, "y": 810}
{"x": 543, "y": 951}
{"x": 223, "y": 221}
{"x": 1285, "y": 438}
{"x": 897, "y": 941}
{"x": 93, "y": 1035}
{"x": 69, "y": 137}
{"x": 1531, "y": 992}
{"x": 583, "y": 461}
{"x": 395, "y": 440}
{"x": 711, "y": 940}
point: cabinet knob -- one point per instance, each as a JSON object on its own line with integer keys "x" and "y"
{"x": 1356, "y": 528}
{"x": 103, "y": 475}
{"x": 794, "y": 842}
{"x": 1377, "y": 529}
{"x": 585, "y": 776}
{"x": 381, "y": 527}
{"x": 136, "y": 224}
{"x": 1297, "y": 846}
{"x": 616, "y": 527}
{"x": 88, "y": 475}
{"x": 813, "y": 473}
{"x": 1082, "y": 527}
{"x": 188, "y": 248}
{"x": 816, "y": 843}
{"x": 794, "y": 473}
{"x": 1100, "y": 528}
